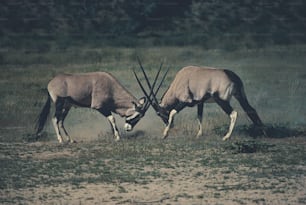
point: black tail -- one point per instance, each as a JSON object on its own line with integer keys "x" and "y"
{"x": 251, "y": 112}
{"x": 42, "y": 117}
{"x": 242, "y": 99}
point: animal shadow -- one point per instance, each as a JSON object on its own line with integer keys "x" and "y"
{"x": 271, "y": 131}
{"x": 134, "y": 135}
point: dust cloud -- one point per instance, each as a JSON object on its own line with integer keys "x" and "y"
{"x": 89, "y": 125}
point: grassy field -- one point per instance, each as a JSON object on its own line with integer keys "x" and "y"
{"x": 142, "y": 168}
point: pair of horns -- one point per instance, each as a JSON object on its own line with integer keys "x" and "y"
{"x": 152, "y": 94}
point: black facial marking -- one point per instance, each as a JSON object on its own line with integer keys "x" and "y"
{"x": 134, "y": 120}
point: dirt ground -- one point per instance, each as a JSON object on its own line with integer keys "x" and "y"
{"x": 192, "y": 184}
{"x": 182, "y": 189}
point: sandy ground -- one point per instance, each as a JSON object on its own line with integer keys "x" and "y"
{"x": 179, "y": 187}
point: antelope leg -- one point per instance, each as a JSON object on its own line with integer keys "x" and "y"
{"x": 58, "y": 116}
{"x": 65, "y": 131}
{"x": 233, "y": 117}
{"x": 57, "y": 131}
{"x": 200, "y": 132}
{"x": 170, "y": 121}
{"x": 64, "y": 115}
{"x": 227, "y": 108}
{"x": 200, "y": 116}
{"x": 112, "y": 121}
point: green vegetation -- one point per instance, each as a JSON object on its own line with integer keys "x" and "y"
{"x": 253, "y": 23}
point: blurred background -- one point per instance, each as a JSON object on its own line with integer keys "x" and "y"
{"x": 55, "y": 24}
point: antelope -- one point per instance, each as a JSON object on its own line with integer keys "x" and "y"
{"x": 195, "y": 85}
{"x": 97, "y": 90}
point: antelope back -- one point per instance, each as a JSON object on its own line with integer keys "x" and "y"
{"x": 192, "y": 83}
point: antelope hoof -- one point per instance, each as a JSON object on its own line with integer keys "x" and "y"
{"x": 72, "y": 141}
{"x": 128, "y": 127}
{"x": 226, "y": 137}
{"x": 264, "y": 132}
{"x": 199, "y": 135}
{"x": 165, "y": 135}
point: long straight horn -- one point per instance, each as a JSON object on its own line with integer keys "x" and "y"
{"x": 152, "y": 95}
{"x": 154, "y": 101}
{"x": 151, "y": 87}
{"x": 154, "y": 83}
{"x": 148, "y": 82}
{"x": 146, "y": 106}
{"x": 156, "y": 77}
{"x": 141, "y": 86}
{"x": 161, "y": 82}
{"x": 144, "y": 74}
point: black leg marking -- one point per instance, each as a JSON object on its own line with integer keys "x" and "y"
{"x": 227, "y": 108}
{"x": 200, "y": 116}
{"x": 105, "y": 113}
{"x": 180, "y": 106}
{"x": 112, "y": 122}
{"x": 59, "y": 104}
{"x": 200, "y": 111}
{"x": 225, "y": 105}
{"x": 63, "y": 117}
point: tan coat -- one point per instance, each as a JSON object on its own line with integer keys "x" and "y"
{"x": 94, "y": 90}
{"x": 192, "y": 83}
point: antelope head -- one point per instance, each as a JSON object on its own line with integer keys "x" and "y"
{"x": 136, "y": 113}
{"x": 162, "y": 112}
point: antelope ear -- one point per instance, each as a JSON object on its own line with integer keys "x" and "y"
{"x": 142, "y": 101}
